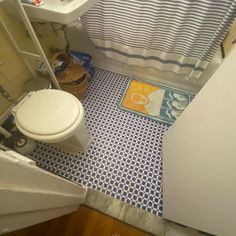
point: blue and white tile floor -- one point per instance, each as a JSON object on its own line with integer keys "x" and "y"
{"x": 125, "y": 158}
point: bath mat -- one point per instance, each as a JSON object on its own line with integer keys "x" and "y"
{"x": 155, "y": 101}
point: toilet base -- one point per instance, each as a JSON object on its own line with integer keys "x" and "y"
{"x": 70, "y": 148}
{"x": 78, "y": 143}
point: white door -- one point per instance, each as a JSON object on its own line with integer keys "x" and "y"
{"x": 199, "y": 158}
{"x": 30, "y": 195}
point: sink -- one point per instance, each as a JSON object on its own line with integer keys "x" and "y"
{"x": 58, "y": 11}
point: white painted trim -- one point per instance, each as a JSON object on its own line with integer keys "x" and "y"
{"x": 22, "y": 172}
{"x": 9, "y": 223}
{"x": 30, "y": 195}
{"x": 18, "y": 200}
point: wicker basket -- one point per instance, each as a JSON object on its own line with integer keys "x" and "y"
{"x": 74, "y": 78}
{"x": 79, "y": 90}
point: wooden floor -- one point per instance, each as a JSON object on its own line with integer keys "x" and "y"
{"x": 84, "y": 222}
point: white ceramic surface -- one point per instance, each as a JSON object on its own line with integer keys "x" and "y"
{"x": 59, "y": 11}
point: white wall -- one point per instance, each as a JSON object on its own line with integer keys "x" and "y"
{"x": 200, "y": 157}
{"x": 231, "y": 36}
{"x": 13, "y": 72}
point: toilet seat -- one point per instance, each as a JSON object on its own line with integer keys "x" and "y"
{"x": 48, "y": 115}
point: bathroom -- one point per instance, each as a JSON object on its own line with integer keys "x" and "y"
{"x": 125, "y": 158}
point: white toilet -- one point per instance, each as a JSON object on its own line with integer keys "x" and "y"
{"x": 53, "y": 116}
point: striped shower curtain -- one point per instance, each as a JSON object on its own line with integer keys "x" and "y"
{"x": 169, "y": 35}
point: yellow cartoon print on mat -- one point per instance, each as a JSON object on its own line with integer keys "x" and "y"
{"x": 141, "y": 97}
{"x": 155, "y": 101}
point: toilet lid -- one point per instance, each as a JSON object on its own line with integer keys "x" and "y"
{"x": 47, "y": 112}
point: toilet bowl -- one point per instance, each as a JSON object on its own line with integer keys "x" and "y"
{"x": 53, "y": 116}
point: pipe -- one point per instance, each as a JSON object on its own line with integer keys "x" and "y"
{"x": 6, "y": 114}
{"x": 5, "y": 133}
{"x": 2, "y": 147}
